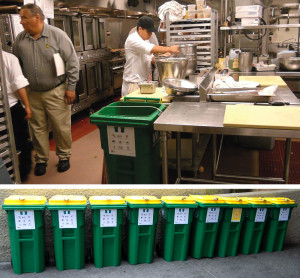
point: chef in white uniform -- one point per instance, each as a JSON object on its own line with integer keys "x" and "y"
{"x": 139, "y": 55}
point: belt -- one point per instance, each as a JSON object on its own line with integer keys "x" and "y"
{"x": 52, "y": 87}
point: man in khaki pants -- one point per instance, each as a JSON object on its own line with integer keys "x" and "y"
{"x": 51, "y": 90}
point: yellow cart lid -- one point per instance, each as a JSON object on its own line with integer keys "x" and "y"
{"x": 235, "y": 201}
{"x": 25, "y": 200}
{"x": 106, "y": 200}
{"x": 178, "y": 200}
{"x": 210, "y": 199}
{"x": 256, "y": 200}
{"x": 280, "y": 201}
{"x": 59, "y": 200}
{"x": 142, "y": 200}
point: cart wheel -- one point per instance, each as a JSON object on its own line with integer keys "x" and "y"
{"x": 91, "y": 111}
{"x": 158, "y": 249}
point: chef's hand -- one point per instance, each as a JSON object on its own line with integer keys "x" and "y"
{"x": 28, "y": 113}
{"x": 167, "y": 54}
{"x": 174, "y": 49}
{"x": 70, "y": 97}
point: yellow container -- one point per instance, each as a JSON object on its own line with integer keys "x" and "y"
{"x": 256, "y": 201}
{"x": 65, "y": 200}
{"x": 106, "y": 200}
{"x": 25, "y": 200}
{"x": 142, "y": 200}
{"x": 281, "y": 201}
{"x": 208, "y": 199}
{"x": 178, "y": 200}
{"x": 235, "y": 200}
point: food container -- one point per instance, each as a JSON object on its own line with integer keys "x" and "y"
{"x": 291, "y": 63}
{"x": 200, "y": 4}
{"x": 207, "y": 12}
{"x": 179, "y": 86}
{"x": 147, "y": 87}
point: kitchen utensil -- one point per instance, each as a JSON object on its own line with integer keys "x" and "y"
{"x": 171, "y": 67}
{"x": 234, "y": 59}
{"x": 189, "y": 51}
{"x": 290, "y": 64}
{"x": 245, "y": 61}
{"x": 148, "y": 87}
{"x": 273, "y": 17}
{"x": 179, "y": 86}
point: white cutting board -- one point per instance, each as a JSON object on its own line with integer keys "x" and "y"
{"x": 264, "y": 81}
{"x": 256, "y": 116}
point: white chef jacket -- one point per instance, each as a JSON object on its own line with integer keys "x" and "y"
{"x": 138, "y": 60}
{"x": 14, "y": 77}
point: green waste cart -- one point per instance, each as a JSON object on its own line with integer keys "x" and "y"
{"x": 130, "y": 144}
{"x": 231, "y": 225}
{"x": 107, "y": 229}
{"x": 254, "y": 224}
{"x": 277, "y": 223}
{"x": 205, "y": 225}
{"x": 68, "y": 230}
{"x": 26, "y": 232}
{"x": 142, "y": 214}
{"x": 177, "y": 216}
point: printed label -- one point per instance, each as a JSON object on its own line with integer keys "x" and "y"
{"x": 24, "y": 220}
{"x": 284, "y": 214}
{"x": 121, "y": 140}
{"x": 181, "y": 216}
{"x": 145, "y": 216}
{"x": 67, "y": 219}
{"x": 260, "y": 215}
{"x": 212, "y": 215}
{"x": 108, "y": 217}
{"x": 236, "y": 215}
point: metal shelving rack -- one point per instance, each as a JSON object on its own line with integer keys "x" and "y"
{"x": 200, "y": 31}
{"x": 8, "y": 151}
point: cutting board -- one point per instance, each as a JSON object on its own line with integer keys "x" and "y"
{"x": 159, "y": 94}
{"x": 264, "y": 81}
{"x": 277, "y": 117}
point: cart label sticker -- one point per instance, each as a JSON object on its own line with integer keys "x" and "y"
{"x": 145, "y": 216}
{"x": 260, "y": 215}
{"x": 67, "y": 219}
{"x": 212, "y": 215}
{"x": 284, "y": 214}
{"x": 236, "y": 214}
{"x": 108, "y": 218}
{"x": 24, "y": 220}
{"x": 181, "y": 216}
{"x": 121, "y": 140}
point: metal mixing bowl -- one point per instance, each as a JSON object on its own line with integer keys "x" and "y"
{"x": 171, "y": 67}
{"x": 291, "y": 63}
{"x": 179, "y": 86}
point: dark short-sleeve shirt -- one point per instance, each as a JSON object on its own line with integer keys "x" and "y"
{"x": 37, "y": 61}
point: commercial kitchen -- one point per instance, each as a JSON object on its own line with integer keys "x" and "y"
{"x": 237, "y": 74}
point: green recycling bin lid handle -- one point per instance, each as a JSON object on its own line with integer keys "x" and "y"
{"x": 135, "y": 106}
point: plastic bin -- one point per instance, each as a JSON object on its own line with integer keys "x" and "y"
{"x": 254, "y": 224}
{"x": 206, "y": 225}
{"x": 130, "y": 144}
{"x": 68, "y": 230}
{"x": 277, "y": 223}
{"x": 231, "y": 225}
{"x": 26, "y": 232}
{"x": 107, "y": 229}
{"x": 177, "y": 216}
{"x": 142, "y": 215}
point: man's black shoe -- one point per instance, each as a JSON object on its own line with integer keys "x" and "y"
{"x": 63, "y": 165}
{"x": 40, "y": 169}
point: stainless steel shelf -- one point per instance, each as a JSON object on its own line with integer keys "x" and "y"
{"x": 239, "y": 27}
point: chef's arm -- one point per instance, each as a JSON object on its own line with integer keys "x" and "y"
{"x": 23, "y": 96}
{"x": 164, "y": 49}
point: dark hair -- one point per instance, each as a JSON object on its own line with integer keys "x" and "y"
{"x": 34, "y": 9}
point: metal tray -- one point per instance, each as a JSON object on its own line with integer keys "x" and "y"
{"x": 236, "y": 95}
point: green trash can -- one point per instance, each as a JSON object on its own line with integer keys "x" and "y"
{"x": 205, "y": 225}
{"x": 142, "y": 214}
{"x": 68, "y": 230}
{"x": 277, "y": 223}
{"x": 231, "y": 225}
{"x": 107, "y": 229}
{"x": 130, "y": 144}
{"x": 177, "y": 216}
{"x": 254, "y": 224}
{"x": 26, "y": 232}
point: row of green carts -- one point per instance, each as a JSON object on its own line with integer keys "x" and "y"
{"x": 198, "y": 225}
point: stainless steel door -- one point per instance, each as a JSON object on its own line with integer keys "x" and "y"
{"x": 62, "y": 22}
{"x": 102, "y": 32}
{"x": 81, "y": 87}
{"x": 106, "y": 74}
{"x": 92, "y": 72}
{"x": 90, "y": 33}
{"x": 77, "y": 33}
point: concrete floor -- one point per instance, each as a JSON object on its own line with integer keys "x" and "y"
{"x": 283, "y": 264}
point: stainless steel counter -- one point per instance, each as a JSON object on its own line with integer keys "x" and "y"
{"x": 207, "y": 117}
